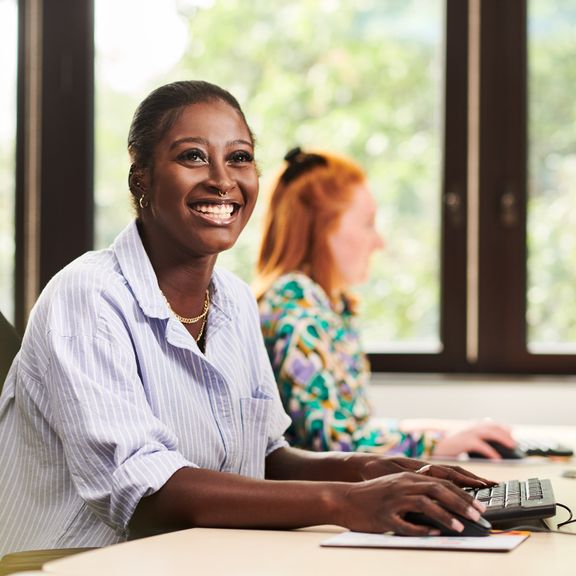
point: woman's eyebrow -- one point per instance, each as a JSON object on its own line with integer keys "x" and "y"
{"x": 204, "y": 142}
{"x": 240, "y": 141}
{"x": 189, "y": 139}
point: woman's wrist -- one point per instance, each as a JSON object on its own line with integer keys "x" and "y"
{"x": 359, "y": 465}
{"x": 332, "y": 502}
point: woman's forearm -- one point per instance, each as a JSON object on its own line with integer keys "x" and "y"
{"x": 205, "y": 498}
{"x": 295, "y": 464}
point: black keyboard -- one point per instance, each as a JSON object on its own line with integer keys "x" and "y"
{"x": 517, "y": 500}
{"x": 543, "y": 447}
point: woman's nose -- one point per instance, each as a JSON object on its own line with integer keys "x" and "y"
{"x": 220, "y": 180}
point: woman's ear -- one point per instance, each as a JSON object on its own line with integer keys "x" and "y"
{"x": 137, "y": 185}
{"x": 136, "y": 181}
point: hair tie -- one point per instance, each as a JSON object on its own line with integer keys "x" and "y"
{"x": 291, "y": 154}
{"x": 300, "y": 162}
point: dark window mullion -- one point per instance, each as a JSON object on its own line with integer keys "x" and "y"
{"x": 454, "y": 217}
{"x": 54, "y": 190}
{"x": 502, "y": 183}
{"x": 67, "y": 134}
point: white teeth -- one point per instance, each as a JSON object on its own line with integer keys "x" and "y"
{"x": 216, "y": 209}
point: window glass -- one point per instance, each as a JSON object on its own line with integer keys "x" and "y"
{"x": 8, "y": 65}
{"x": 359, "y": 78}
{"x": 551, "y": 313}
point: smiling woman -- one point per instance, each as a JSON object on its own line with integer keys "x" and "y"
{"x": 144, "y": 378}
{"x": 194, "y": 183}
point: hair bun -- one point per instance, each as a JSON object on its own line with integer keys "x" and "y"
{"x": 300, "y": 162}
{"x": 292, "y": 153}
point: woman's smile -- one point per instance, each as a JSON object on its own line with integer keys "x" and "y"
{"x": 218, "y": 213}
{"x": 203, "y": 184}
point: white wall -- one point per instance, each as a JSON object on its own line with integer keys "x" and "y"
{"x": 531, "y": 400}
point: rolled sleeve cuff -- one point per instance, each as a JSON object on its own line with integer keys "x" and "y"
{"x": 139, "y": 477}
{"x": 273, "y": 446}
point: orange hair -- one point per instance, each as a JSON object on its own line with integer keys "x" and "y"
{"x": 303, "y": 210}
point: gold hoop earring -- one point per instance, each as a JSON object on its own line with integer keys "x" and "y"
{"x": 143, "y": 202}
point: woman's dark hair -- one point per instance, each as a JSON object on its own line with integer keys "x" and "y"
{"x": 157, "y": 113}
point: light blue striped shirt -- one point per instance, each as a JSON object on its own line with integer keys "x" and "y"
{"x": 110, "y": 395}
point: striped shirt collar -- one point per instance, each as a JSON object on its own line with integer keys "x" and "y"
{"x": 139, "y": 273}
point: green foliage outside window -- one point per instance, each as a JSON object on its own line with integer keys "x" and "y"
{"x": 359, "y": 78}
{"x": 552, "y": 176}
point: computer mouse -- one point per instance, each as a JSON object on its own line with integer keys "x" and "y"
{"x": 471, "y": 528}
{"x": 505, "y": 452}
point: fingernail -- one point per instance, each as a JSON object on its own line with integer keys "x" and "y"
{"x": 434, "y": 532}
{"x": 456, "y": 525}
{"x": 472, "y": 513}
{"x": 479, "y": 506}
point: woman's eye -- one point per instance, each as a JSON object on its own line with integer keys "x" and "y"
{"x": 240, "y": 157}
{"x": 193, "y": 155}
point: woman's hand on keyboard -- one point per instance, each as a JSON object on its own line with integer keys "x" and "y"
{"x": 375, "y": 466}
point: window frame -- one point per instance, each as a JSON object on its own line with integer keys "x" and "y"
{"x": 453, "y": 293}
{"x": 64, "y": 142}
{"x": 503, "y": 338}
{"x": 58, "y": 87}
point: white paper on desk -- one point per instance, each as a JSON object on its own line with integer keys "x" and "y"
{"x": 493, "y": 543}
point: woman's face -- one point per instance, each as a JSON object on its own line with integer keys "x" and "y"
{"x": 355, "y": 237}
{"x": 203, "y": 182}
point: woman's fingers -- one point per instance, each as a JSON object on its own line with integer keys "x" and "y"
{"x": 457, "y": 475}
{"x": 445, "y": 494}
{"x": 382, "y": 466}
{"x": 431, "y": 522}
{"x": 381, "y": 504}
{"x": 376, "y": 466}
{"x": 494, "y": 432}
{"x": 405, "y": 527}
{"x": 474, "y": 439}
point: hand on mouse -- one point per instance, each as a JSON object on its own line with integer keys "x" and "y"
{"x": 474, "y": 439}
{"x": 380, "y": 505}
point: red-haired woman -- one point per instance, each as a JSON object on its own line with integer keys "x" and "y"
{"x": 319, "y": 234}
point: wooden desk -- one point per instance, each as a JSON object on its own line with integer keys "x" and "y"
{"x": 298, "y": 553}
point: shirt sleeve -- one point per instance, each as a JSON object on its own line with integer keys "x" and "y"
{"x": 116, "y": 449}
{"x": 323, "y": 396}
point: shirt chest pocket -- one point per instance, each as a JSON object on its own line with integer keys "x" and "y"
{"x": 255, "y": 413}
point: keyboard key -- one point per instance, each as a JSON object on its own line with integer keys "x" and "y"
{"x": 517, "y": 500}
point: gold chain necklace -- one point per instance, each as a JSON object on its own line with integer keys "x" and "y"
{"x": 194, "y": 319}
{"x": 199, "y": 337}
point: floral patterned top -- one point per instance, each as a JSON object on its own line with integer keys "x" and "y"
{"x": 322, "y": 372}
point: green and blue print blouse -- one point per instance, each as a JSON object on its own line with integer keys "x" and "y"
{"x": 322, "y": 372}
